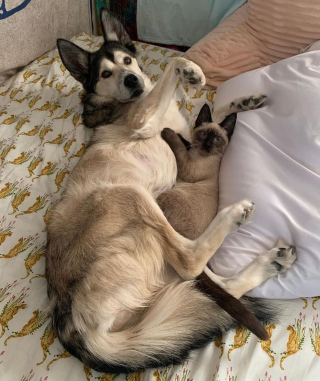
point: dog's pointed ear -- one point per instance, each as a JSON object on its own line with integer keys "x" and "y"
{"x": 113, "y": 30}
{"x": 229, "y": 123}
{"x": 75, "y": 59}
{"x": 204, "y": 116}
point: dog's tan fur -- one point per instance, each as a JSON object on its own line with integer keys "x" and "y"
{"x": 120, "y": 278}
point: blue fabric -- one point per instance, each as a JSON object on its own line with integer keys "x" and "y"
{"x": 4, "y": 12}
{"x": 236, "y": 4}
{"x": 181, "y": 22}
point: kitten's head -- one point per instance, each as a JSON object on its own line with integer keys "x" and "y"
{"x": 212, "y": 138}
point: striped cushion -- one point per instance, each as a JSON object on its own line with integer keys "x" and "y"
{"x": 258, "y": 34}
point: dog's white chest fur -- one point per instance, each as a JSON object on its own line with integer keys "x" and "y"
{"x": 174, "y": 120}
{"x": 146, "y": 162}
{"x": 149, "y": 163}
{"x": 157, "y": 165}
{"x": 156, "y": 162}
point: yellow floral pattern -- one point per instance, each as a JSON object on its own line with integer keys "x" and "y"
{"x": 266, "y": 345}
{"x": 315, "y": 334}
{"x": 295, "y": 339}
{"x": 42, "y": 138}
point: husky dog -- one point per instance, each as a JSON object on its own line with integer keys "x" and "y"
{"x": 120, "y": 278}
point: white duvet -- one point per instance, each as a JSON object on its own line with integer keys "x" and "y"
{"x": 274, "y": 159}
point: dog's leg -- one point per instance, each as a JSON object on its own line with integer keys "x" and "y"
{"x": 152, "y": 108}
{"x": 266, "y": 266}
{"x": 189, "y": 258}
{"x": 227, "y": 220}
{"x": 238, "y": 105}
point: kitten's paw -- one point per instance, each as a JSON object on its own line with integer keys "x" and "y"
{"x": 189, "y": 73}
{"x": 279, "y": 259}
{"x": 167, "y": 134}
{"x": 238, "y": 214}
{"x": 248, "y": 103}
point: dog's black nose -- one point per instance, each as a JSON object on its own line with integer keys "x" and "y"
{"x": 131, "y": 81}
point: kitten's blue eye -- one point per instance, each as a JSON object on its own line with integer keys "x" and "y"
{"x": 217, "y": 139}
{"x": 203, "y": 134}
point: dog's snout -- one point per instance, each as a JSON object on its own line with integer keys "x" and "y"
{"x": 131, "y": 81}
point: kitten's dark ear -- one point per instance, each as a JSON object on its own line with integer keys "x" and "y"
{"x": 204, "y": 116}
{"x": 113, "y": 30}
{"x": 75, "y": 59}
{"x": 229, "y": 123}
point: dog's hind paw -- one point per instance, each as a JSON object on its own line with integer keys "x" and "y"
{"x": 279, "y": 259}
{"x": 237, "y": 214}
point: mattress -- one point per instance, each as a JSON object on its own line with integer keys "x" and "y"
{"x": 42, "y": 137}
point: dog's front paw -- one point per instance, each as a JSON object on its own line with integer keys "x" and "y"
{"x": 238, "y": 214}
{"x": 248, "y": 103}
{"x": 189, "y": 73}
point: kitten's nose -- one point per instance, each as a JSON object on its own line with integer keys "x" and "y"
{"x": 208, "y": 143}
{"x": 131, "y": 81}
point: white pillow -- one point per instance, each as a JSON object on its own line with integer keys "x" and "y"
{"x": 274, "y": 159}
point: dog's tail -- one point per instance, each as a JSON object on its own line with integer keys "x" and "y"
{"x": 178, "y": 320}
{"x": 234, "y": 307}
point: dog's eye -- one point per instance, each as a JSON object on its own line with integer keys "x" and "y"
{"x": 217, "y": 139}
{"x": 127, "y": 60}
{"x": 106, "y": 74}
{"x": 203, "y": 134}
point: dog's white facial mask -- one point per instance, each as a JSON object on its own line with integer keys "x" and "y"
{"x": 121, "y": 79}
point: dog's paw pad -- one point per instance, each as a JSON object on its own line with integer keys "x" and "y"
{"x": 238, "y": 214}
{"x": 189, "y": 73}
{"x": 248, "y": 103}
{"x": 246, "y": 208}
{"x": 281, "y": 258}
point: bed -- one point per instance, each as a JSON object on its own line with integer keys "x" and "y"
{"x": 42, "y": 138}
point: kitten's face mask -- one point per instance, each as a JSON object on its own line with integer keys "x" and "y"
{"x": 212, "y": 138}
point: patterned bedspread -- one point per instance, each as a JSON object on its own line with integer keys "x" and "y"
{"x": 41, "y": 139}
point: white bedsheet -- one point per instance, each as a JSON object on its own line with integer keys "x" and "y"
{"x": 274, "y": 159}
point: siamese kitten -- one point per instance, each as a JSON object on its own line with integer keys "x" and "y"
{"x": 193, "y": 203}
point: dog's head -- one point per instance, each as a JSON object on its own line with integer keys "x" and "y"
{"x": 112, "y": 72}
{"x": 210, "y": 137}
